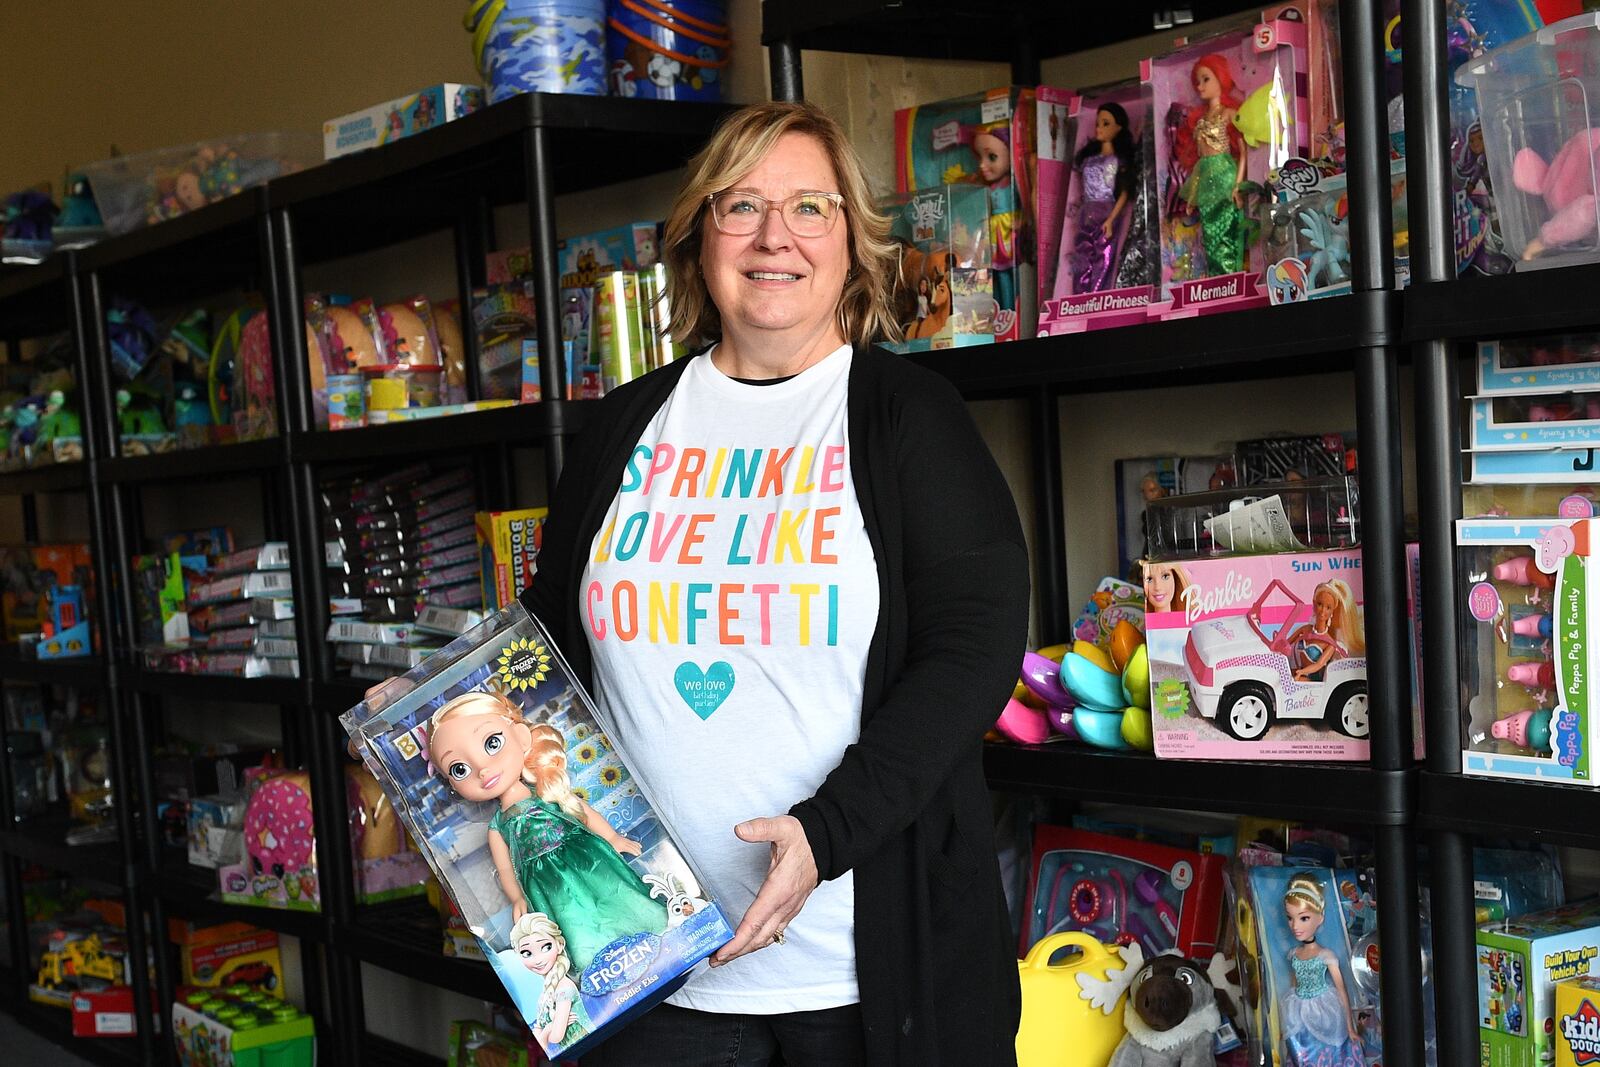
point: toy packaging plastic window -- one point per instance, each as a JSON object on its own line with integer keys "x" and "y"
{"x": 946, "y": 296}
{"x": 1232, "y": 109}
{"x": 524, "y": 808}
{"x": 1522, "y": 365}
{"x": 1105, "y": 236}
{"x": 1258, "y": 657}
{"x": 1526, "y": 647}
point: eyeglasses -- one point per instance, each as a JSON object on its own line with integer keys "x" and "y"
{"x": 806, "y": 214}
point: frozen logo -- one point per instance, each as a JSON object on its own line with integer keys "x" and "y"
{"x": 1582, "y": 1034}
{"x": 926, "y": 212}
{"x": 522, "y": 665}
{"x": 621, "y": 963}
{"x": 1234, "y": 589}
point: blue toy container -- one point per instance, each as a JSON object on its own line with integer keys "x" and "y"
{"x": 668, "y": 49}
{"x": 539, "y": 46}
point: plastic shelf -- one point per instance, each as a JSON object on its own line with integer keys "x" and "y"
{"x": 519, "y": 424}
{"x": 245, "y": 457}
{"x": 33, "y": 300}
{"x": 44, "y": 841}
{"x": 190, "y": 891}
{"x": 221, "y": 687}
{"x": 1500, "y": 807}
{"x": 1315, "y": 792}
{"x": 207, "y": 251}
{"x": 51, "y": 478}
{"x": 1532, "y": 301}
{"x": 405, "y": 937}
{"x": 82, "y": 671}
{"x": 393, "y": 1054}
{"x": 1264, "y": 342}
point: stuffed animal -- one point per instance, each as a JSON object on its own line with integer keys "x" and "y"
{"x": 1567, "y": 185}
{"x": 1171, "y": 1016}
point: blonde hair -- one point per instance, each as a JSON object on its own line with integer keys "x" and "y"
{"x": 1180, "y": 584}
{"x": 1346, "y": 625}
{"x": 545, "y": 766}
{"x": 1307, "y": 889}
{"x": 741, "y": 142}
{"x": 538, "y": 924}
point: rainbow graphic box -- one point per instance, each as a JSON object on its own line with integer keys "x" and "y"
{"x": 613, "y": 916}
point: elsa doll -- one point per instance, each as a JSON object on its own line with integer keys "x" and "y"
{"x": 553, "y": 852}
{"x": 542, "y": 948}
{"x": 1318, "y": 1029}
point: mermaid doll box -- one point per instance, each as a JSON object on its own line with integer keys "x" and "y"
{"x": 502, "y": 770}
{"x": 1231, "y": 111}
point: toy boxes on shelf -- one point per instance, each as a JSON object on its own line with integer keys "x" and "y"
{"x": 984, "y": 139}
{"x": 387, "y": 865}
{"x": 1122, "y": 892}
{"x": 508, "y": 547}
{"x": 1310, "y": 921}
{"x": 1233, "y": 111}
{"x": 1539, "y": 139}
{"x": 243, "y": 1028}
{"x": 230, "y": 954}
{"x": 108, "y": 1012}
{"x": 1258, "y": 657}
{"x": 279, "y": 866}
{"x": 1528, "y": 647}
{"x": 401, "y": 117}
{"x": 1104, "y": 237}
{"x": 622, "y": 952}
{"x": 945, "y": 296}
{"x": 79, "y": 958}
{"x": 1519, "y": 963}
{"x": 216, "y": 827}
{"x": 1288, "y": 516}
{"x": 1307, "y": 244}
{"x": 1142, "y": 482}
{"x": 477, "y": 1044}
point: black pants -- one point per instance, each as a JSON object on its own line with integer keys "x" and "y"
{"x": 677, "y": 1037}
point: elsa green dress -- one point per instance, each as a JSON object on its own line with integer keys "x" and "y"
{"x": 572, "y": 875}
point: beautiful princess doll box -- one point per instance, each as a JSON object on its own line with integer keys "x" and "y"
{"x": 523, "y": 805}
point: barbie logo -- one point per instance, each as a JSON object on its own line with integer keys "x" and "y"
{"x": 620, "y": 963}
{"x": 1233, "y": 590}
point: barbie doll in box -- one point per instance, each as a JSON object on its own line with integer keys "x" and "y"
{"x": 1211, "y": 148}
{"x": 1334, "y": 631}
{"x": 1318, "y": 1030}
{"x": 553, "y": 852}
{"x": 992, "y": 145}
{"x": 1107, "y": 172}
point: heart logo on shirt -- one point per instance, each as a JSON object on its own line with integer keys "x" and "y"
{"x": 704, "y": 690}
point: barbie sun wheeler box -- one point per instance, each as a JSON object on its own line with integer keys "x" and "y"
{"x": 498, "y": 764}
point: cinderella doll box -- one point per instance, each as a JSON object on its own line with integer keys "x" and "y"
{"x": 500, "y": 767}
{"x": 1231, "y": 111}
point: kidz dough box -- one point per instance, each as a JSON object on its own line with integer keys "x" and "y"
{"x": 616, "y": 933}
{"x": 1258, "y": 657}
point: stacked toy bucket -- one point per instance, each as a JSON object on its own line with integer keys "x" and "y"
{"x": 539, "y": 46}
{"x": 668, "y": 49}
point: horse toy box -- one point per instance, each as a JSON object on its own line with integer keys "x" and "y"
{"x": 1258, "y": 657}
{"x": 498, "y": 764}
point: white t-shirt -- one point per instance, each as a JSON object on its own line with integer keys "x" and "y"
{"x": 730, "y": 598}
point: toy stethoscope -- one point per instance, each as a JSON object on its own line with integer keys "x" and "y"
{"x": 1098, "y": 907}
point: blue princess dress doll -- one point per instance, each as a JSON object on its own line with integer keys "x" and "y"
{"x": 1318, "y": 1030}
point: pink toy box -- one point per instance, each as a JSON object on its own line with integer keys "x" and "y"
{"x": 1211, "y": 250}
{"x": 280, "y": 845}
{"x": 1093, "y": 279}
{"x": 1258, "y": 657}
{"x": 1053, "y": 125}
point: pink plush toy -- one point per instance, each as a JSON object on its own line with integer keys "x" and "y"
{"x": 1567, "y": 184}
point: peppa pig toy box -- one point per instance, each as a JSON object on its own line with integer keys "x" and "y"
{"x": 611, "y": 917}
{"x": 1258, "y": 657}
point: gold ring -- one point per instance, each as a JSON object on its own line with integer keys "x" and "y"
{"x": 777, "y": 937}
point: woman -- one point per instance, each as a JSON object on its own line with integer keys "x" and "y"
{"x": 790, "y": 570}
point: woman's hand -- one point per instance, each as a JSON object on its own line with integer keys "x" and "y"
{"x": 791, "y": 876}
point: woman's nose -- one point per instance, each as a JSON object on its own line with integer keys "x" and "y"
{"x": 774, "y": 233}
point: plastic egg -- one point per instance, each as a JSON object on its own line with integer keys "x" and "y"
{"x": 1136, "y": 678}
{"x": 1094, "y": 654}
{"x": 1043, "y": 677}
{"x": 416, "y": 347}
{"x": 360, "y": 350}
{"x": 1125, "y": 637}
{"x": 1055, "y": 652}
{"x": 448, "y": 327}
{"x": 1021, "y": 692}
{"x": 1137, "y": 729}
{"x": 1090, "y": 683}
{"x": 1102, "y": 729}
{"x": 1060, "y": 720}
{"x": 1023, "y": 724}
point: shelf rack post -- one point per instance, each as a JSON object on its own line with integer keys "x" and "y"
{"x": 1427, "y": 112}
{"x": 783, "y": 62}
{"x": 474, "y": 239}
{"x": 1049, "y": 519}
{"x": 539, "y": 168}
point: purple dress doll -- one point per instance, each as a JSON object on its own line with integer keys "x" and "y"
{"x": 1106, "y": 180}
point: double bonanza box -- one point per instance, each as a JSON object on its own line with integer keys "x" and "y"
{"x": 508, "y": 546}
{"x": 622, "y": 953}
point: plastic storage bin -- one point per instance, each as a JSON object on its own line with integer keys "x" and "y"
{"x": 134, "y": 191}
{"x": 1539, "y": 102}
{"x": 539, "y": 46}
{"x": 668, "y": 49}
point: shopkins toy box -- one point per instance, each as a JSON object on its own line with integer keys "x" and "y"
{"x": 1120, "y": 891}
{"x": 1105, "y": 236}
{"x": 279, "y": 868}
{"x": 1232, "y": 110}
{"x": 401, "y": 117}
{"x": 1518, "y": 366}
{"x": 984, "y": 139}
{"x": 945, "y": 298}
{"x": 1519, "y": 963}
{"x": 524, "y": 807}
{"x": 1528, "y": 648}
{"x": 1258, "y": 657}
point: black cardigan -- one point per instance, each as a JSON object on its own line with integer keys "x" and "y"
{"x": 907, "y": 809}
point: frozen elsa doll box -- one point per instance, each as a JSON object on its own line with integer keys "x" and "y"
{"x": 502, "y": 771}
